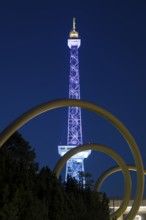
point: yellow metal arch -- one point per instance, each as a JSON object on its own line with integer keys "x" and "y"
{"x": 116, "y": 157}
{"x": 20, "y": 121}
{"x": 110, "y": 171}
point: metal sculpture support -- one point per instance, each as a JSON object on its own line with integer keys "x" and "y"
{"x": 20, "y": 121}
{"x": 110, "y": 171}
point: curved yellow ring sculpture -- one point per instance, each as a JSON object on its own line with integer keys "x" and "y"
{"x": 115, "y": 156}
{"x": 109, "y": 172}
{"x": 20, "y": 121}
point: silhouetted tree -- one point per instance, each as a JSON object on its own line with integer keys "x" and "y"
{"x": 27, "y": 193}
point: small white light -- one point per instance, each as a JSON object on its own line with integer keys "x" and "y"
{"x": 138, "y": 217}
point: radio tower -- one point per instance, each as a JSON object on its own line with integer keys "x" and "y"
{"x": 75, "y": 164}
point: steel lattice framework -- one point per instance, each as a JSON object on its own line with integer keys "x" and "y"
{"x": 74, "y": 136}
{"x": 75, "y": 165}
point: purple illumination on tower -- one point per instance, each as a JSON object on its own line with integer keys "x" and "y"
{"x": 75, "y": 164}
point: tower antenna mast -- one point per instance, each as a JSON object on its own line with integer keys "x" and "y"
{"x": 74, "y": 24}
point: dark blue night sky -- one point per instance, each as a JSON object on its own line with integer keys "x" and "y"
{"x": 34, "y": 68}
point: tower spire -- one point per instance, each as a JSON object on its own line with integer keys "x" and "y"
{"x": 74, "y": 33}
{"x": 74, "y": 24}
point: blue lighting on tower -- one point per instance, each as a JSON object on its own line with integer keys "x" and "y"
{"x": 75, "y": 164}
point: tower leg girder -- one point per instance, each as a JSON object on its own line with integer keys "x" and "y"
{"x": 74, "y": 168}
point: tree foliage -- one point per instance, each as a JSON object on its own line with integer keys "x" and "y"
{"x": 28, "y": 193}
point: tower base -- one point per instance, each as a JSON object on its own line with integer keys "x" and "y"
{"x": 74, "y": 169}
{"x": 75, "y": 165}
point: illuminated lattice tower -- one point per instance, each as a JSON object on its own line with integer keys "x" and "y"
{"x": 75, "y": 165}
